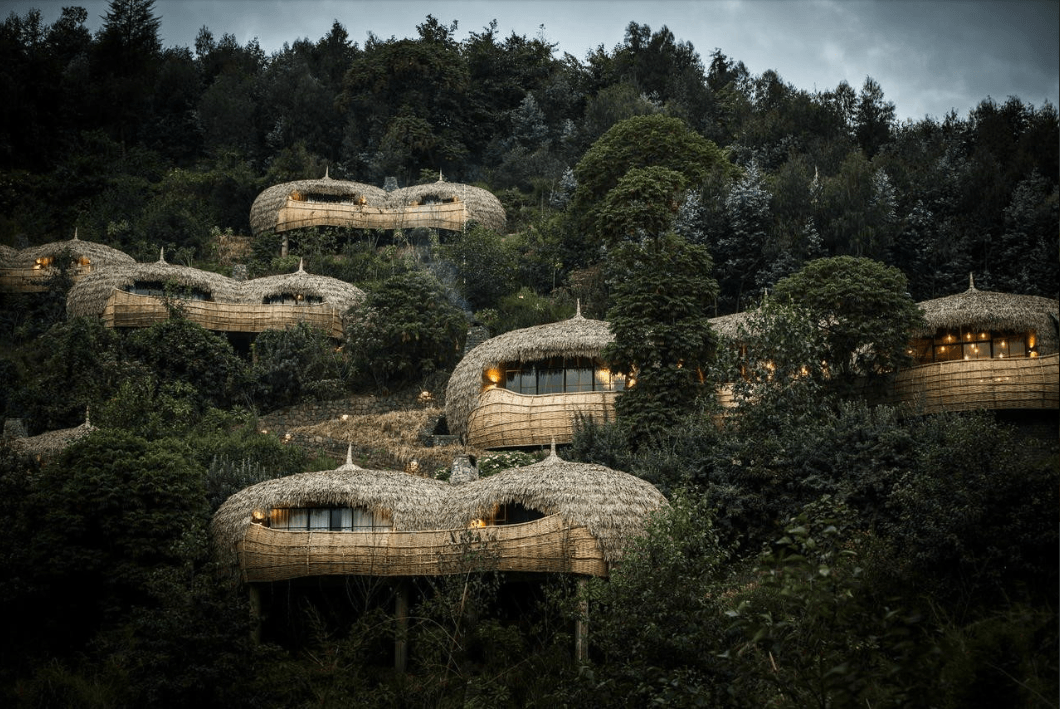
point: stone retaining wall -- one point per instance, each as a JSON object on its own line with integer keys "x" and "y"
{"x": 299, "y": 415}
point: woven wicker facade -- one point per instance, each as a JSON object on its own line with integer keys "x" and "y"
{"x": 341, "y": 203}
{"x": 505, "y": 419}
{"x": 466, "y": 392}
{"x": 587, "y": 514}
{"x": 1018, "y": 383}
{"x": 547, "y": 545}
{"x": 223, "y": 305}
{"x": 28, "y": 270}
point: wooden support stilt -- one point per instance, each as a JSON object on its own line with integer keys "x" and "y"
{"x": 401, "y": 615}
{"x": 581, "y": 625}
{"x": 255, "y": 612}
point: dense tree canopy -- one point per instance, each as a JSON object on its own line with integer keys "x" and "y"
{"x": 817, "y": 550}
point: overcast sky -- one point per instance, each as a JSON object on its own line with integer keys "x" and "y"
{"x": 929, "y": 56}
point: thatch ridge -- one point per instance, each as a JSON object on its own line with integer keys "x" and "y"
{"x": 990, "y": 310}
{"x": 99, "y": 254}
{"x": 267, "y": 205}
{"x": 51, "y": 443}
{"x": 8, "y": 256}
{"x": 411, "y": 502}
{"x": 89, "y": 296}
{"x": 334, "y": 292}
{"x": 614, "y": 506}
{"x": 728, "y": 326}
{"x": 482, "y": 205}
{"x": 576, "y": 337}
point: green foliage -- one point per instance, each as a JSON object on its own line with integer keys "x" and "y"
{"x": 492, "y": 463}
{"x": 181, "y": 350}
{"x": 525, "y": 309}
{"x": 640, "y": 142}
{"x": 973, "y": 518}
{"x": 643, "y": 203}
{"x": 657, "y": 619}
{"x": 484, "y": 264}
{"x": 863, "y": 308}
{"x": 405, "y": 330}
{"x": 294, "y": 364}
{"x": 70, "y": 368}
{"x": 811, "y": 640}
{"x": 660, "y": 300}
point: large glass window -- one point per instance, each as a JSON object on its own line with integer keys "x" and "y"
{"x": 328, "y": 519}
{"x": 560, "y": 375}
{"x": 967, "y": 344}
{"x": 292, "y": 299}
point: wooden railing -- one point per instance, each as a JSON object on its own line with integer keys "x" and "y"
{"x": 125, "y": 309}
{"x": 297, "y": 214}
{"x": 34, "y": 280}
{"x": 505, "y": 419}
{"x": 965, "y": 385}
{"x": 544, "y": 545}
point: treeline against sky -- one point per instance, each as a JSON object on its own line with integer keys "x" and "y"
{"x": 141, "y": 146}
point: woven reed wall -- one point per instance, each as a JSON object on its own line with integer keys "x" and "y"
{"x": 544, "y": 545}
{"x": 296, "y": 214}
{"x": 965, "y": 385}
{"x": 34, "y": 280}
{"x": 505, "y": 419}
{"x": 125, "y": 309}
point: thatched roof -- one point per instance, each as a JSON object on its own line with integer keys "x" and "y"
{"x": 98, "y": 254}
{"x": 51, "y": 443}
{"x": 267, "y": 205}
{"x": 728, "y": 326}
{"x": 8, "y": 255}
{"x": 576, "y": 337}
{"x": 332, "y": 291}
{"x": 410, "y": 502}
{"x": 614, "y": 506}
{"x": 89, "y": 296}
{"x": 989, "y": 310}
{"x": 482, "y": 205}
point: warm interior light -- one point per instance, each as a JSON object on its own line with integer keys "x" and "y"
{"x": 258, "y": 516}
{"x": 493, "y": 375}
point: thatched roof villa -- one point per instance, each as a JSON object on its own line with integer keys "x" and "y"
{"x": 983, "y": 350}
{"x": 134, "y": 296}
{"x": 527, "y": 387}
{"x": 554, "y": 516}
{"x": 342, "y": 203}
{"x": 976, "y": 350}
{"x": 28, "y": 270}
{"x": 549, "y": 517}
{"x": 45, "y": 446}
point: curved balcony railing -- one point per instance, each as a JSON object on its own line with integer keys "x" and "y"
{"x": 298, "y": 214}
{"x": 965, "y": 385}
{"x": 543, "y": 545}
{"x": 505, "y": 419}
{"x": 125, "y": 309}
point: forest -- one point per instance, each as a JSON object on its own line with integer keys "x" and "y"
{"x": 818, "y": 551}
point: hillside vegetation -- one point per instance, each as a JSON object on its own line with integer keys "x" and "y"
{"x": 818, "y": 551}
